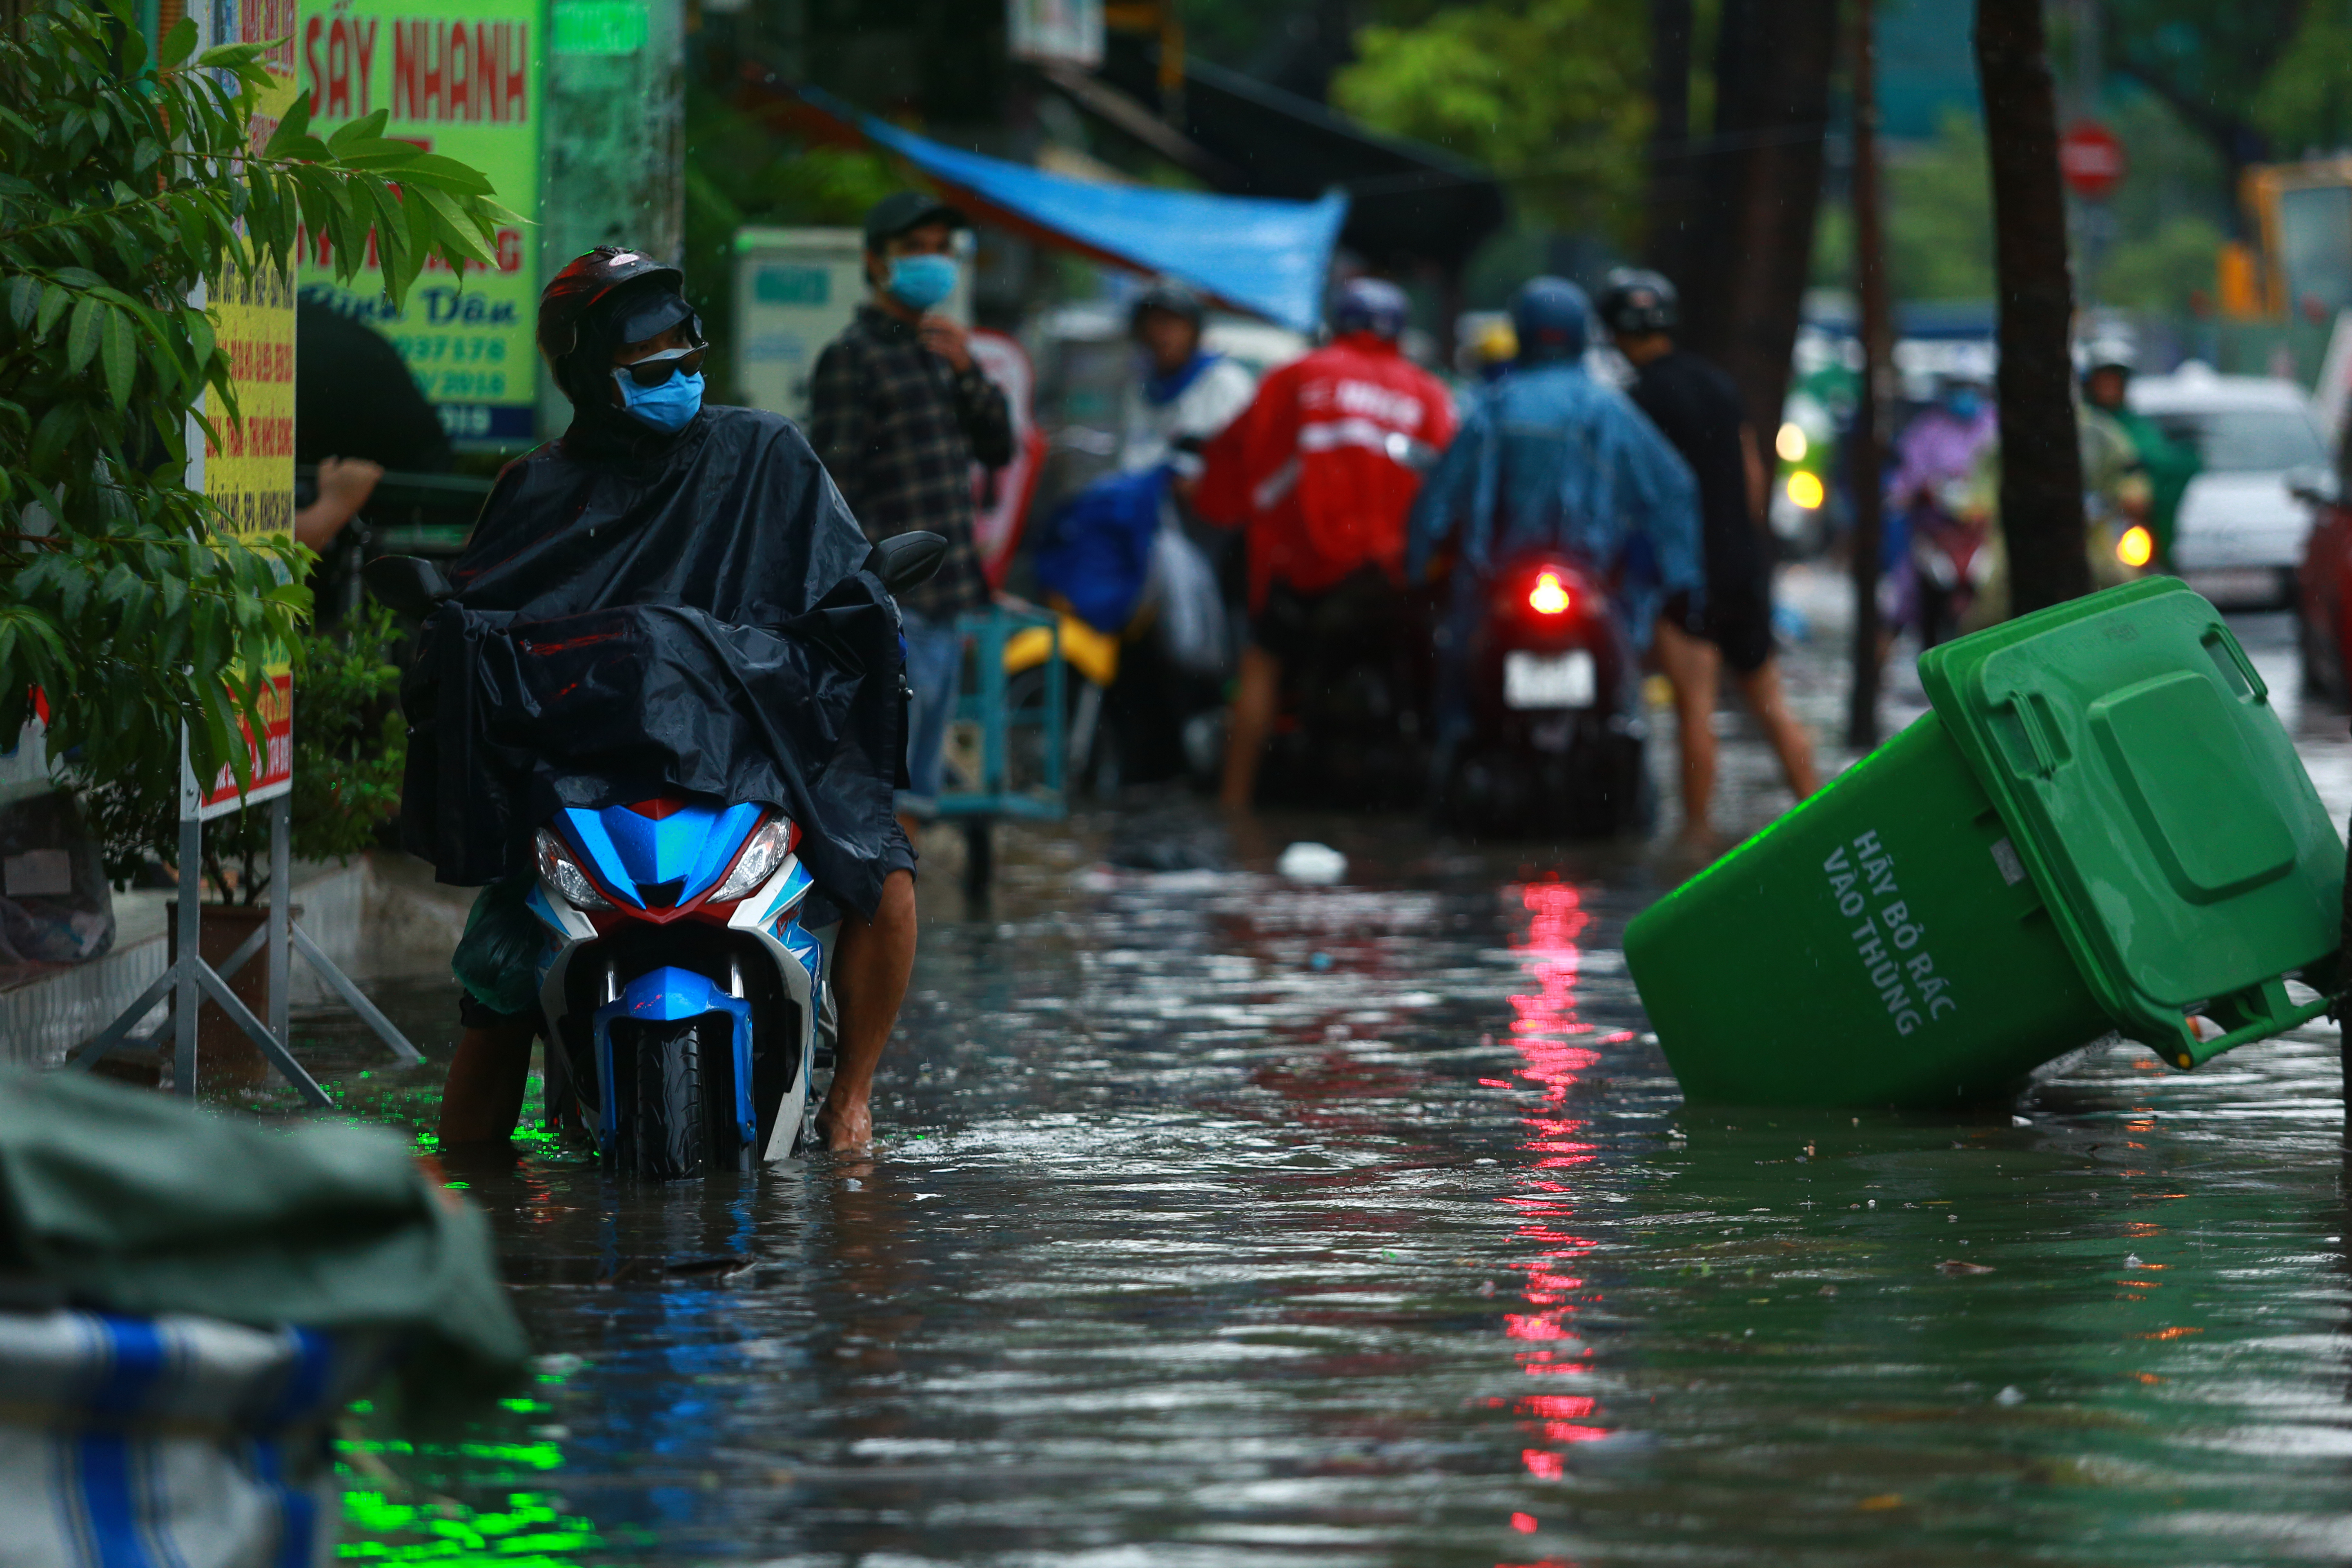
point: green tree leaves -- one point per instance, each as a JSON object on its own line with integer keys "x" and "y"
{"x": 2306, "y": 100}
{"x": 1551, "y": 94}
{"x": 178, "y": 44}
{"x": 124, "y": 185}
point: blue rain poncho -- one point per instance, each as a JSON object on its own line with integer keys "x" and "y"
{"x": 1096, "y": 550}
{"x": 1549, "y": 458}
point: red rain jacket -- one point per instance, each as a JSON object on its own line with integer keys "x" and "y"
{"x": 1315, "y": 468}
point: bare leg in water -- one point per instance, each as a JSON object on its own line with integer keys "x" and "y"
{"x": 1694, "y": 665}
{"x": 1761, "y": 689}
{"x": 483, "y": 1099}
{"x": 1256, "y": 697}
{"x": 871, "y": 962}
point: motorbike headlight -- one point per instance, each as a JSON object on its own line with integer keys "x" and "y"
{"x": 562, "y": 873}
{"x": 2136, "y": 548}
{"x": 762, "y": 853}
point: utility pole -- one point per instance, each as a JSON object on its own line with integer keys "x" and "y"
{"x": 1866, "y": 449}
{"x": 2090, "y": 68}
{"x": 2040, "y": 466}
{"x": 2089, "y": 73}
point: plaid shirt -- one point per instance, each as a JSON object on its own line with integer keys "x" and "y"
{"x": 899, "y": 429}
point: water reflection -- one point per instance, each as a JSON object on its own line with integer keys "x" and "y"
{"x": 1224, "y": 1222}
{"x": 1543, "y": 1023}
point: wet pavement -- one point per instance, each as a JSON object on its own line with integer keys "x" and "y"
{"x": 1222, "y": 1220}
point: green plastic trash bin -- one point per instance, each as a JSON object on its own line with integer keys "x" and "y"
{"x": 2102, "y": 825}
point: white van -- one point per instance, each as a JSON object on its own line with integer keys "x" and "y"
{"x": 2240, "y": 536}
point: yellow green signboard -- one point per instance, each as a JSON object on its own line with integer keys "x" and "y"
{"x": 465, "y": 78}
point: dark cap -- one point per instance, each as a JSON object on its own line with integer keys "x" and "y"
{"x": 896, "y": 213}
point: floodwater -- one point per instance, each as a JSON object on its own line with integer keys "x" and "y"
{"x": 1222, "y": 1220}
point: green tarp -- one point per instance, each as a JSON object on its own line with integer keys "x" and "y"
{"x": 127, "y": 1201}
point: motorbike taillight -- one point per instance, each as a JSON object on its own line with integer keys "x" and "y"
{"x": 1547, "y": 594}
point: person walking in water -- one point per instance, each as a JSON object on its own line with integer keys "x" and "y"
{"x": 1696, "y": 406}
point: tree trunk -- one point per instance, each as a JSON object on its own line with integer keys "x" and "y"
{"x": 1714, "y": 169}
{"x": 1744, "y": 284}
{"x": 1865, "y": 462}
{"x": 2041, "y": 465}
{"x": 1673, "y": 173}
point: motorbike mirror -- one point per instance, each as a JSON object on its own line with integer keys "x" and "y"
{"x": 2315, "y": 485}
{"x": 904, "y": 559}
{"x": 411, "y": 585}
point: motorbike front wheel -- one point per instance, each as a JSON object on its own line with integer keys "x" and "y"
{"x": 670, "y": 1132}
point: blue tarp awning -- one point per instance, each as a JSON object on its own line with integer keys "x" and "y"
{"x": 1267, "y": 256}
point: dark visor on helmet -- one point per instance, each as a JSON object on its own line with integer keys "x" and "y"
{"x": 650, "y": 314}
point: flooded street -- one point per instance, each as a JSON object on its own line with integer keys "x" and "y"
{"x": 1222, "y": 1220}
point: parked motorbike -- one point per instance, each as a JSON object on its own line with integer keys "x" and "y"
{"x": 1556, "y": 729}
{"x": 686, "y": 1007}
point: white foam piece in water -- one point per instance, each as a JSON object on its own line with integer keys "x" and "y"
{"x": 1307, "y": 861}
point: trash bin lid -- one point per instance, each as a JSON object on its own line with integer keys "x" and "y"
{"x": 2153, "y": 795}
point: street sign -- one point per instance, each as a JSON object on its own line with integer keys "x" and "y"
{"x": 1049, "y": 30}
{"x": 2092, "y": 160}
{"x": 269, "y": 758}
{"x": 463, "y": 77}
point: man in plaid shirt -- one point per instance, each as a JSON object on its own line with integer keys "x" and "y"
{"x": 899, "y": 412}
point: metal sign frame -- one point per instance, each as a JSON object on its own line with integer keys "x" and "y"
{"x": 189, "y": 978}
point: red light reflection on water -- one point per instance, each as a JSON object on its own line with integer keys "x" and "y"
{"x": 1542, "y": 1027}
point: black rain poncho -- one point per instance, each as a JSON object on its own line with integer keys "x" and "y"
{"x": 638, "y": 614}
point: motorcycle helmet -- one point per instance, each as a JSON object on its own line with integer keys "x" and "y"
{"x": 601, "y": 300}
{"x": 1552, "y": 319}
{"x": 1485, "y": 344}
{"x": 1961, "y": 395}
{"x": 1171, "y": 296}
{"x": 2108, "y": 353}
{"x": 1638, "y": 302}
{"x": 1370, "y": 305}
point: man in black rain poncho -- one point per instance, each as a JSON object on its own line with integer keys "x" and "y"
{"x": 669, "y": 599}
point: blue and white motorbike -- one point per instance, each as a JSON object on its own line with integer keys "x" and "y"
{"x": 687, "y": 1001}
{"x": 687, "y": 1008}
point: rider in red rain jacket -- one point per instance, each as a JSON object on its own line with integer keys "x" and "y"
{"x": 1320, "y": 471}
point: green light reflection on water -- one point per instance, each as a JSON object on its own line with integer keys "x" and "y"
{"x": 529, "y": 1533}
{"x": 526, "y": 1456}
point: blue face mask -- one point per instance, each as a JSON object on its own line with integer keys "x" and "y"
{"x": 920, "y": 282}
{"x": 1963, "y": 407}
{"x": 667, "y": 407}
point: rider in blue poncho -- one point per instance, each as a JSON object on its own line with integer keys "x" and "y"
{"x": 1549, "y": 457}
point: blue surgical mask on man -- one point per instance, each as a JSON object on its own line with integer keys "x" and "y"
{"x": 668, "y": 406}
{"x": 920, "y": 282}
{"x": 1964, "y": 404}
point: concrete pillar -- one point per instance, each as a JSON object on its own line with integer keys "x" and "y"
{"x": 614, "y": 158}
